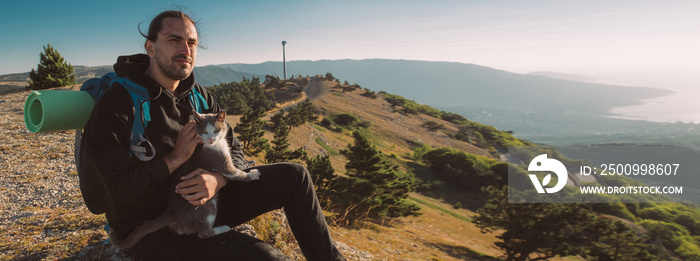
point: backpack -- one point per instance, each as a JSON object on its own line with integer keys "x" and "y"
{"x": 141, "y": 148}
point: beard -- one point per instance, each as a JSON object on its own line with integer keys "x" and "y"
{"x": 174, "y": 71}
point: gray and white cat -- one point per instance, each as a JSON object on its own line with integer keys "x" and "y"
{"x": 181, "y": 216}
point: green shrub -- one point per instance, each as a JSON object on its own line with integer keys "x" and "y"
{"x": 338, "y": 122}
{"x": 674, "y": 237}
{"x": 615, "y": 209}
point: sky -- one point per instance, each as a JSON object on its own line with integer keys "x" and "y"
{"x": 629, "y": 42}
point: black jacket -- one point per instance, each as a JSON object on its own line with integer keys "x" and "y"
{"x": 127, "y": 190}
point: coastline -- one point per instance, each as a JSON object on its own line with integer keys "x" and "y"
{"x": 681, "y": 106}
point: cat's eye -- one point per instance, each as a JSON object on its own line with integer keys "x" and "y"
{"x": 204, "y": 132}
{"x": 217, "y": 130}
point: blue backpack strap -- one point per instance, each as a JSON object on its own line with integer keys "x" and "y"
{"x": 198, "y": 102}
{"x": 142, "y": 116}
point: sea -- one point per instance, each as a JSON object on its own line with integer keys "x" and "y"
{"x": 681, "y": 106}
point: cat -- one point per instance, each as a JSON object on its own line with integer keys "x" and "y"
{"x": 180, "y": 216}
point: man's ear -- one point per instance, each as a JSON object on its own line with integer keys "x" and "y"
{"x": 150, "y": 48}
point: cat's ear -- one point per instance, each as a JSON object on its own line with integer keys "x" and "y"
{"x": 196, "y": 116}
{"x": 221, "y": 116}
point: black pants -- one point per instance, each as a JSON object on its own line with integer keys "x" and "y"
{"x": 282, "y": 185}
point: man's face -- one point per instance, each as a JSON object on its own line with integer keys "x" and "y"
{"x": 175, "y": 49}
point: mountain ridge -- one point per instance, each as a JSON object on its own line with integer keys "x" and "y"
{"x": 565, "y": 76}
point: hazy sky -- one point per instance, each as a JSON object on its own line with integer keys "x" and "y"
{"x": 636, "y": 42}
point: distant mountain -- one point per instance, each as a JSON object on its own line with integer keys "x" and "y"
{"x": 84, "y": 73}
{"x": 205, "y": 75}
{"x": 457, "y": 84}
{"x": 211, "y": 75}
{"x": 15, "y": 77}
{"x": 565, "y": 76}
{"x": 528, "y": 104}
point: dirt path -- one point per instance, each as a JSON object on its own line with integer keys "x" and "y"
{"x": 316, "y": 88}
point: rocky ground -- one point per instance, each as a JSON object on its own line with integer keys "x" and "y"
{"x": 42, "y": 210}
{"x": 38, "y": 170}
{"x": 42, "y": 215}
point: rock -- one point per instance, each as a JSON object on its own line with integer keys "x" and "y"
{"x": 246, "y": 229}
{"x": 351, "y": 253}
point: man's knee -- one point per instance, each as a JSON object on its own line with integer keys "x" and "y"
{"x": 297, "y": 171}
{"x": 304, "y": 175}
{"x": 298, "y": 174}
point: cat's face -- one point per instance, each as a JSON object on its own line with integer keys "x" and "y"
{"x": 210, "y": 127}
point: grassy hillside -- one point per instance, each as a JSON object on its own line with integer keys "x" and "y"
{"x": 441, "y": 232}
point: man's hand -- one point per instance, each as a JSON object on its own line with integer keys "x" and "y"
{"x": 187, "y": 141}
{"x": 200, "y": 186}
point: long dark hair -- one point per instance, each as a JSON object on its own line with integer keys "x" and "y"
{"x": 157, "y": 23}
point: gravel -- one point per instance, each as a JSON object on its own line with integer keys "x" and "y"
{"x": 37, "y": 170}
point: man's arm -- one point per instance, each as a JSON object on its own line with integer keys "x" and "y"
{"x": 187, "y": 140}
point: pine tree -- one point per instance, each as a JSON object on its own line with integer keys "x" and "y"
{"x": 545, "y": 228}
{"x": 433, "y": 126}
{"x": 364, "y": 160}
{"x": 376, "y": 186}
{"x": 279, "y": 116}
{"x": 279, "y": 151}
{"x": 52, "y": 71}
{"x": 302, "y": 113}
{"x": 323, "y": 176}
{"x": 618, "y": 241}
{"x": 250, "y": 131}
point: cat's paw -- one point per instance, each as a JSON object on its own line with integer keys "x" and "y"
{"x": 254, "y": 174}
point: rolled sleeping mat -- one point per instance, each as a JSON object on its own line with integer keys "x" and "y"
{"x": 57, "y": 110}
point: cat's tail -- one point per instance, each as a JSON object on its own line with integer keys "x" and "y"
{"x": 140, "y": 232}
{"x": 239, "y": 175}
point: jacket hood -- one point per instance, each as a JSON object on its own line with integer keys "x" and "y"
{"x": 134, "y": 67}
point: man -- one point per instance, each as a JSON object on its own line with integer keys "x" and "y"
{"x": 131, "y": 190}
